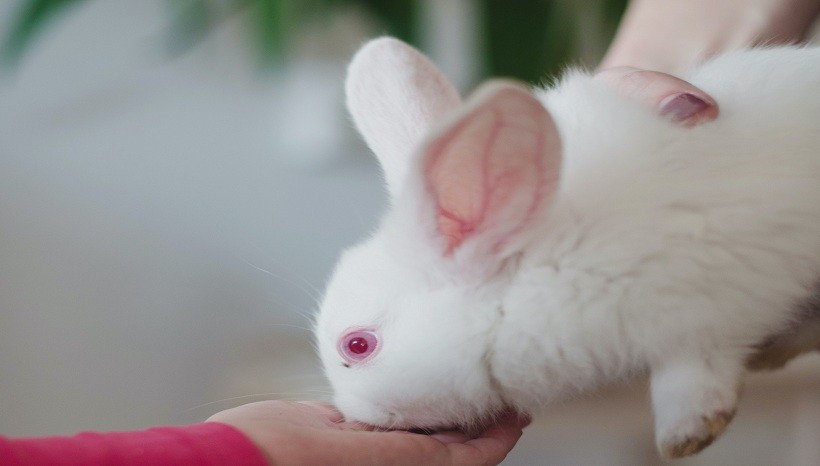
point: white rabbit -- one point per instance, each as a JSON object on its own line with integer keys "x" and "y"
{"x": 540, "y": 244}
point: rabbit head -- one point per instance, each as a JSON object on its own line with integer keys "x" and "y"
{"x": 407, "y": 326}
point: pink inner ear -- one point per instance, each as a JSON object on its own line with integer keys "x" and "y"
{"x": 490, "y": 171}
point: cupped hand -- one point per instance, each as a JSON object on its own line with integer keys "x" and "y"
{"x": 316, "y": 434}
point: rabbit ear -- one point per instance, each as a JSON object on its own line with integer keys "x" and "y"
{"x": 490, "y": 171}
{"x": 395, "y": 94}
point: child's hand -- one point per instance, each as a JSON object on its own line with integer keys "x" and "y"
{"x": 316, "y": 434}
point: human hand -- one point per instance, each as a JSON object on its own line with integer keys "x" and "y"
{"x": 673, "y": 35}
{"x": 317, "y": 434}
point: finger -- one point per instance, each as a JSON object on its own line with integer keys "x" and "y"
{"x": 671, "y": 97}
{"x": 326, "y": 410}
{"x": 394, "y": 448}
{"x": 359, "y": 426}
{"x": 493, "y": 445}
{"x": 450, "y": 437}
{"x": 485, "y": 450}
{"x": 400, "y": 448}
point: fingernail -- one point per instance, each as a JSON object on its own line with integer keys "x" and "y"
{"x": 682, "y": 107}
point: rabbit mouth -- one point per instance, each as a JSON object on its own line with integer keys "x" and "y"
{"x": 468, "y": 418}
{"x": 422, "y": 430}
{"x": 472, "y": 428}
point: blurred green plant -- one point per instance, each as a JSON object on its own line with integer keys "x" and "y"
{"x": 526, "y": 39}
{"x": 31, "y": 19}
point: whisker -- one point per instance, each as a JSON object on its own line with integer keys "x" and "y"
{"x": 293, "y": 377}
{"x": 234, "y": 398}
{"x": 318, "y": 293}
{"x": 299, "y": 327}
{"x": 276, "y": 394}
{"x": 312, "y": 293}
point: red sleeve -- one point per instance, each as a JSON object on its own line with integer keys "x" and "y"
{"x": 209, "y": 443}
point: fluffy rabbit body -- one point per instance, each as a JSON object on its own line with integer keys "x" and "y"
{"x": 540, "y": 244}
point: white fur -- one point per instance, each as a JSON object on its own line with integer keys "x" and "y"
{"x": 395, "y": 94}
{"x": 666, "y": 249}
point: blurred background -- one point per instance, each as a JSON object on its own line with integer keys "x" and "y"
{"x": 178, "y": 177}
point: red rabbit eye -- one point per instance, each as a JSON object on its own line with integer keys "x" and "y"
{"x": 358, "y": 345}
